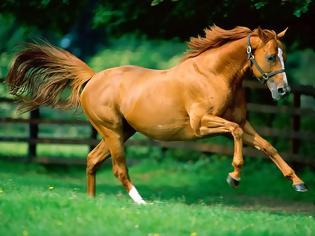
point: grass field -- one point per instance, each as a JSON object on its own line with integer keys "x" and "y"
{"x": 187, "y": 199}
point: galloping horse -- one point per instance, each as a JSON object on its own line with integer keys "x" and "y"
{"x": 200, "y": 96}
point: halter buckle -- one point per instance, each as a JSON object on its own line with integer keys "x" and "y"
{"x": 249, "y": 49}
{"x": 265, "y": 76}
{"x": 249, "y": 52}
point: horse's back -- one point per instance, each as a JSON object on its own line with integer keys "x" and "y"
{"x": 119, "y": 82}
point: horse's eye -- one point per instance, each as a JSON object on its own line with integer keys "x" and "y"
{"x": 271, "y": 58}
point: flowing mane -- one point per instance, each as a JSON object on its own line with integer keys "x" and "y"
{"x": 216, "y": 37}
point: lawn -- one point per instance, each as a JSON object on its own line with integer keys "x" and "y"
{"x": 187, "y": 198}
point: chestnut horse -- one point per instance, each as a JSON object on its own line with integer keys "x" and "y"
{"x": 201, "y": 96}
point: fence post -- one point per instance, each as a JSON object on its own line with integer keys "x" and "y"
{"x": 93, "y": 135}
{"x": 295, "y": 146}
{"x": 33, "y": 134}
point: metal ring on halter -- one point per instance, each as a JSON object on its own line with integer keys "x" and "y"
{"x": 265, "y": 76}
{"x": 249, "y": 49}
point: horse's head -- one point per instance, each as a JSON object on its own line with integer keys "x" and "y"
{"x": 267, "y": 61}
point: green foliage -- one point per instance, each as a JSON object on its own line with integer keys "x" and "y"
{"x": 188, "y": 199}
{"x": 260, "y": 4}
{"x": 300, "y": 66}
{"x": 104, "y": 15}
{"x": 301, "y": 7}
{"x": 298, "y": 7}
{"x": 10, "y": 36}
{"x": 132, "y": 50}
{"x": 45, "y": 14}
{"x": 158, "y": 18}
{"x": 156, "y": 2}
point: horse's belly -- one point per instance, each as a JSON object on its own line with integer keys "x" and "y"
{"x": 167, "y": 133}
{"x": 167, "y": 129}
{"x": 157, "y": 112}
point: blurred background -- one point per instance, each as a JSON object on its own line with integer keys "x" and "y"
{"x": 153, "y": 34}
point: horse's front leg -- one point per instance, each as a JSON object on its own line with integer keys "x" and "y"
{"x": 252, "y": 138}
{"x": 210, "y": 124}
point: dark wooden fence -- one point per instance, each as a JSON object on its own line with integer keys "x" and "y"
{"x": 292, "y": 134}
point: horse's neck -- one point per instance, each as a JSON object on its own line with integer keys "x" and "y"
{"x": 229, "y": 62}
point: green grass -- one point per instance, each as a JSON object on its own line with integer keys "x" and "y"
{"x": 188, "y": 199}
{"x": 8, "y": 149}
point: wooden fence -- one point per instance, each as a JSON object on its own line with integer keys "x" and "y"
{"x": 292, "y": 134}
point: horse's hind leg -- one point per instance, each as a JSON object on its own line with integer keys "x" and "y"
{"x": 115, "y": 142}
{"x": 94, "y": 159}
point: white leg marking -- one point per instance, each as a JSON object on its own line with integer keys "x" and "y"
{"x": 133, "y": 193}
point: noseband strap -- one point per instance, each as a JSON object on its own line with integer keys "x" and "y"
{"x": 265, "y": 76}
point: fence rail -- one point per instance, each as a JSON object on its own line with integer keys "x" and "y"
{"x": 294, "y": 134}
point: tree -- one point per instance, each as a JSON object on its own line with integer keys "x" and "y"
{"x": 88, "y": 22}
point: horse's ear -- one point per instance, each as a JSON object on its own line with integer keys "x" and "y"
{"x": 282, "y": 33}
{"x": 262, "y": 35}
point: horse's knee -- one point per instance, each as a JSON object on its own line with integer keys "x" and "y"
{"x": 96, "y": 157}
{"x": 93, "y": 162}
{"x": 236, "y": 131}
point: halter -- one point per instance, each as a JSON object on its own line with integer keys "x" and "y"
{"x": 265, "y": 75}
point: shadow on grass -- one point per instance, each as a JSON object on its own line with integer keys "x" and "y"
{"x": 199, "y": 194}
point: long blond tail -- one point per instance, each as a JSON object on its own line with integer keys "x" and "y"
{"x": 40, "y": 73}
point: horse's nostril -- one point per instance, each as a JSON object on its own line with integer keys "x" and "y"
{"x": 281, "y": 91}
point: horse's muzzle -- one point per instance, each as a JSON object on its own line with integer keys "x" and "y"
{"x": 279, "y": 93}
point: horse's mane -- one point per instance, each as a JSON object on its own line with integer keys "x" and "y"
{"x": 216, "y": 37}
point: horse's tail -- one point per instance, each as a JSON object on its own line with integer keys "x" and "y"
{"x": 40, "y": 73}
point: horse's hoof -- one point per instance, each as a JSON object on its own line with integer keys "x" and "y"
{"x": 234, "y": 183}
{"x": 300, "y": 187}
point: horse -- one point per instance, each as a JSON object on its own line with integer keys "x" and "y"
{"x": 201, "y": 96}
